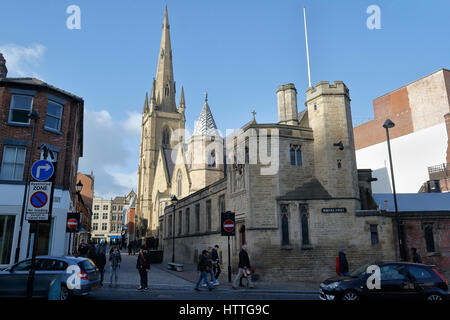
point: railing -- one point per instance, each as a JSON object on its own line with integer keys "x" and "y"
{"x": 438, "y": 168}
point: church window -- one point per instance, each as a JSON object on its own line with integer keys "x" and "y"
{"x": 166, "y": 137}
{"x": 429, "y": 238}
{"x": 284, "y": 226}
{"x": 212, "y": 159}
{"x": 197, "y": 217}
{"x": 208, "y": 214}
{"x": 374, "y": 234}
{"x": 167, "y": 90}
{"x": 179, "y": 183}
{"x": 304, "y": 224}
{"x": 188, "y": 218}
{"x": 296, "y": 155}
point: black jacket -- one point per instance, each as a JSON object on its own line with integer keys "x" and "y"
{"x": 204, "y": 263}
{"x": 214, "y": 255}
{"x": 417, "y": 258}
{"x": 244, "y": 261}
{"x": 100, "y": 261}
{"x": 343, "y": 263}
{"x": 143, "y": 260}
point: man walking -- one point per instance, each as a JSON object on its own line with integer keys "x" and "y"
{"x": 215, "y": 261}
{"x": 244, "y": 266}
{"x": 211, "y": 269}
{"x": 416, "y": 258}
{"x": 115, "y": 260}
{"x": 143, "y": 266}
{"x": 343, "y": 263}
{"x": 100, "y": 262}
{"x": 204, "y": 265}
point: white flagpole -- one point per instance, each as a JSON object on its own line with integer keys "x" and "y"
{"x": 307, "y": 50}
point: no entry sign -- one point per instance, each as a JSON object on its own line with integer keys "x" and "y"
{"x": 72, "y": 223}
{"x": 38, "y": 200}
{"x": 73, "y": 219}
{"x": 228, "y": 223}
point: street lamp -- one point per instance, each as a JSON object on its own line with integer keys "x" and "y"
{"x": 173, "y": 201}
{"x": 33, "y": 115}
{"x": 78, "y": 188}
{"x": 388, "y": 124}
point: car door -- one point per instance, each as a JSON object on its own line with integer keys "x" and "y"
{"x": 14, "y": 281}
{"x": 422, "y": 278}
{"x": 395, "y": 282}
{"x": 46, "y": 271}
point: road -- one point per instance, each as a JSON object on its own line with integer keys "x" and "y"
{"x": 167, "y": 286}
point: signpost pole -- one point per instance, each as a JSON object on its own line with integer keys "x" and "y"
{"x": 30, "y": 283}
{"x": 229, "y": 261}
{"x": 70, "y": 238}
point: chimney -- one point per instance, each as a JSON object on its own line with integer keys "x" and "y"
{"x": 3, "y": 69}
{"x": 287, "y": 104}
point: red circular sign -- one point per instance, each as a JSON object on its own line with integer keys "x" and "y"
{"x": 228, "y": 225}
{"x": 72, "y": 223}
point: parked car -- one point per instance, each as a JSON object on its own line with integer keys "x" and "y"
{"x": 13, "y": 280}
{"x": 399, "y": 280}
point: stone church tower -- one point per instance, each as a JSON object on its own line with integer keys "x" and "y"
{"x": 162, "y": 126}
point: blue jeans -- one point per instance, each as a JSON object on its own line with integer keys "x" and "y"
{"x": 203, "y": 277}
{"x": 213, "y": 278}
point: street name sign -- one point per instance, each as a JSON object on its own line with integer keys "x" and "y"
{"x": 38, "y": 203}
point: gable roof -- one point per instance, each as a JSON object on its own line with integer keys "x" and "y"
{"x": 310, "y": 190}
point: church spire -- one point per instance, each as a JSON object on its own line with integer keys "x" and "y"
{"x": 165, "y": 84}
{"x": 153, "y": 97}
{"x": 205, "y": 125}
{"x": 145, "y": 109}
{"x": 182, "y": 104}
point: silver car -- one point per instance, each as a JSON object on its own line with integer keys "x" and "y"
{"x": 70, "y": 270}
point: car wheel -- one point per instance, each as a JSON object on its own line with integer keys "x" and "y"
{"x": 434, "y": 297}
{"x": 350, "y": 296}
{"x": 65, "y": 293}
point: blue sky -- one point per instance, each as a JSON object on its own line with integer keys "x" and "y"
{"x": 239, "y": 51}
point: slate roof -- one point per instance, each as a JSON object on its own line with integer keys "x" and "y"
{"x": 310, "y": 190}
{"x": 205, "y": 125}
{"x": 413, "y": 202}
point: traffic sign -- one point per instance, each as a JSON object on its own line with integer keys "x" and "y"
{"x": 38, "y": 204}
{"x": 42, "y": 170}
{"x": 227, "y": 223}
{"x": 72, "y": 223}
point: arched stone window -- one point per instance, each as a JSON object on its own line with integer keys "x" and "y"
{"x": 167, "y": 90}
{"x": 166, "y": 137}
{"x": 212, "y": 159}
{"x": 304, "y": 225}
{"x": 179, "y": 181}
{"x": 284, "y": 226}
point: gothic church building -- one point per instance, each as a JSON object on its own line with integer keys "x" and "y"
{"x": 294, "y": 219}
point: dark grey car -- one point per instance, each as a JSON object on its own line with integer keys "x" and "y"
{"x": 78, "y": 276}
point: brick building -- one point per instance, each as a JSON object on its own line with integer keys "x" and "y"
{"x": 60, "y": 128}
{"x": 84, "y": 204}
{"x": 419, "y": 141}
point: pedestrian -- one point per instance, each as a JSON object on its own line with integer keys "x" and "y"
{"x": 215, "y": 261}
{"x": 211, "y": 269}
{"x": 243, "y": 267}
{"x": 143, "y": 266}
{"x": 83, "y": 249}
{"x": 204, "y": 266}
{"x": 100, "y": 262}
{"x": 115, "y": 259}
{"x": 416, "y": 258}
{"x": 343, "y": 263}
{"x": 130, "y": 248}
{"x": 91, "y": 251}
{"x": 135, "y": 246}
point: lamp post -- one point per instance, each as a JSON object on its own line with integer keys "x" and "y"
{"x": 174, "y": 201}
{"x": 388, "y": 124}
{"x": 33, "y": 115}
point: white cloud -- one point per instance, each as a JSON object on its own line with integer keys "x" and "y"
{"x": 111, "y": 151}
{"x": 22, "y": 61}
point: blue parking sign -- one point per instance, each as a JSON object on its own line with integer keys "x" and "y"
{"x": 42, "y": 170}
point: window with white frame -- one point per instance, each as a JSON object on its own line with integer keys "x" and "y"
{"x": 54, "y": 115}
{"x": 105, "y": 207}
{"x": 96, "y": 207}
{"x": 104, "y": 226}
{"x": 20, "y": 107}
{"x": 13, "y": 163}
{"x": 95, "y": 215}
{"x": 95, "y": 226}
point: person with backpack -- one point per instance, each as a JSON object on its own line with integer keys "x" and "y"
{"x": 143, "y": 266}
{"x": 115, "y": 259}
{"x": 343, "y": 263}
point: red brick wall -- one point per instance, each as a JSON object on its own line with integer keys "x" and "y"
{"x": 395, "y": 106}
{"x": 69, "y": 141}
{"x": 87, "y": 194}
{"x": 415, "y": 239}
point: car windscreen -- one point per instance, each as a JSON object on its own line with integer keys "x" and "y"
{"x": 86, "y": 265}
{"x": 359, "y": 271}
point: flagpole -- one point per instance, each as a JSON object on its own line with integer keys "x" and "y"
{"x": 307, "y": 49}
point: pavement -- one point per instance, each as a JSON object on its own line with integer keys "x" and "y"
{"x": 160, "y": 278}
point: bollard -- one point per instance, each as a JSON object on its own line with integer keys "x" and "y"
{"x": 54, "y": 292}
